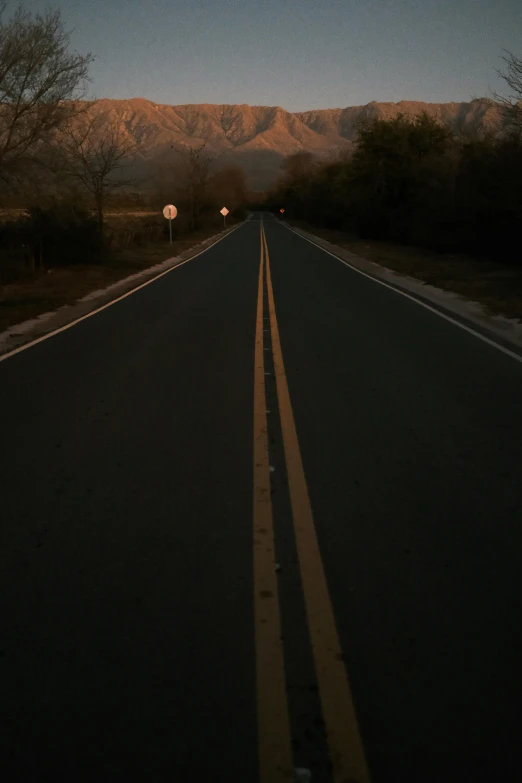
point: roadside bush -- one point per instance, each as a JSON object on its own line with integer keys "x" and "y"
{"x": 62, "y": 234}
{"x": 489, "y": 197}
{"x": 123, "y": 231}
{"x": 14, "y": 255}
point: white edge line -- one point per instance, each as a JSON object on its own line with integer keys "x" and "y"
{"x": 413, "y": 299}
{"x": 24, "y": 347}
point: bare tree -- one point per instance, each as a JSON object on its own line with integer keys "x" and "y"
{"x": 194, "y": 176}
{"x": 162, "y": 176}
{"x": 511, "y": 104}
{"x": 40, "y": 78}
{"x": 228, "y": 188}
{"x": 298, "y": 165}
{"x": 90, "y": 151}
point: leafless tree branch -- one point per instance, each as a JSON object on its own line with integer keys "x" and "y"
{"x": 90, "y": 150}
{"x": 511, "y": 104}
{"x": 41, "y": 81}
{"x": 193, "y": 173}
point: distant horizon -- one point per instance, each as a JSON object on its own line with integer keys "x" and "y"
{"x": 300, "y": 55}
{"x": 277, "y": 106}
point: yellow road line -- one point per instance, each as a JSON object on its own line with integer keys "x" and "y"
{"x": 274, "y": 744}
{"x": 342, "y": 731}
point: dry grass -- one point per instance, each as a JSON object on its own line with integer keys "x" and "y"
{"x": 12, "y": 213}
{"x": 122, "y": 213}
{"x": 42, "y": 293}
{"x": 496, "y": 286}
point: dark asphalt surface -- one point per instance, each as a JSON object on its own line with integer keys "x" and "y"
{"x": 126, "y": 593}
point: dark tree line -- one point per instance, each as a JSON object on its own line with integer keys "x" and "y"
{"x": 415, "y": 182}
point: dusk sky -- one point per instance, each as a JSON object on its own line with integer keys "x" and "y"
{"x": 299, "y": 54}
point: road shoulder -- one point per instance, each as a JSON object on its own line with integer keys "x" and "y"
{"x": 505, "y": 331}
{"x": 26, "y": 331}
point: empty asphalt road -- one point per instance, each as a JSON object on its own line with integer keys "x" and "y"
{"x": 263, "y": 514}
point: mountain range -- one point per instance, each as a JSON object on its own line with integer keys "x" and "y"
{"x": 258, "y": 137}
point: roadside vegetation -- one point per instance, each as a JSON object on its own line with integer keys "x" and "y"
{"x": 415, "y": 184}
{"x": 73, "y": 214}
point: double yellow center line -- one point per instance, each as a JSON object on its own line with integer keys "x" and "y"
{"x": 274, "y": 739}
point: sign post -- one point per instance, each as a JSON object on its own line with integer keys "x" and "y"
{"x": 170, "y": 212}
{"x": 224, "y": 212}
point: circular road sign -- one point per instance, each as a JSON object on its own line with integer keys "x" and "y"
{"x": 170, "y": 211}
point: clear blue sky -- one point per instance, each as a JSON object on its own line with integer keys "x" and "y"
{"x": 299, "y": 54}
